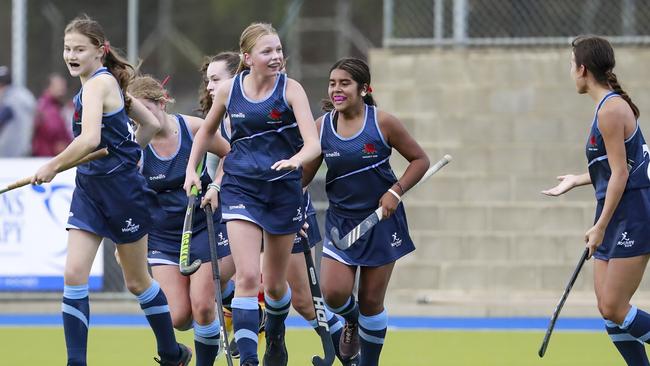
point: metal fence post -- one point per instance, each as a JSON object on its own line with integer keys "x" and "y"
{"x": 438, "y": 21}
{"x": 388, "y": 22}
{"x": 460, "y": 23}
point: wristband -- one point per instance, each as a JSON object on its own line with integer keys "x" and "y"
{"x": 214, "y": 186}
{"x": 395, "y": 194}
{"x": 399, "y": 186}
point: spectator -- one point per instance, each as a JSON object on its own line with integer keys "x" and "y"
{"x": 17, "y": 106}
{"x": 50, "y": 133}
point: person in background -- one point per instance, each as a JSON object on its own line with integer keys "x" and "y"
{"x": 51, "y": 135}
{"x": 17, "y": 106}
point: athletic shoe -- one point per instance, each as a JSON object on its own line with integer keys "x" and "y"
{"x": 233, "y": 349}
{"x": 354, "y": 361}
{"x": 184, "y": 359}
{"x": 349, "y": 342}
{"x": 276, "y": 351}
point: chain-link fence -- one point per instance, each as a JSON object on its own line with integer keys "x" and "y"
{"x": 512, "y": 22}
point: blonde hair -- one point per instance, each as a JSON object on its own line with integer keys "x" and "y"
{"x": 249, "y": 38}
{"x": 147, "y": 87}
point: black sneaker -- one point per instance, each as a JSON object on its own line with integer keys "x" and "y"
{"x": 349, "y": 343}
{"x": 183, "y": 360}
{"x": 276, "y": 351}
{"x": 233, "y": 350}
{"x": 354, "y": 361}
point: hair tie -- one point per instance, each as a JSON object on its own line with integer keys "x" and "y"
{"x": 107, "y": 48}
{"x": 165, "y": 80}
{"x": 369, "y": 89}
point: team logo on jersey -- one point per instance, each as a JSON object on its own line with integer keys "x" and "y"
{"x": 396, "y": 241}
{"x": 275, "y": 114}
{"x": 240, "y": 206}
{"x": 76, "y": 117}
{"x": 222, "y": 240}
{"x": 238, "y": 115}
{"x": 369, "y": 151}
{"x": 592, "y": 143}
{"x": 333, "y": 154}
{"x": 625, "y": 241}
{"x": 130, "y": 226}
{"x": 298, "y": 216}
{"x": 158, "y": 177}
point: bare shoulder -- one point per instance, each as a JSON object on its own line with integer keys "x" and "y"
{"x": 102, "y": 83}
{"x": 293, "y": 85}
{"x": 194, "y": 123}
{"x": 385, "y": 119}
{"x": 615, "y": 110}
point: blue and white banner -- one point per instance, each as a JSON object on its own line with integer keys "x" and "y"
{"x": 33, "y": 239}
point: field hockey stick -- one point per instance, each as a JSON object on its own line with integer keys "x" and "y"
{"x": 558, "y": 308}
{"x": 217, "y": 280}
{"x": 323, "y": 328}
{"x": 374, "y": 218}
{"x": 27, "y": 180}
{"x": 184, "y": 265}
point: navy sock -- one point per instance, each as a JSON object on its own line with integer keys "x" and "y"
{"x": 276, "y": 313}
{"x": 154, "y": 304}
{"x": 245, "y": 320}
{"x": 227, "y": 294}
{"x": 632, "y": 350}
{"x": 372, "y": 331}
{"x": 207, "y": 342}
{"x": 76, "y": 315}
{"x": 349, "y": 311}
{"x": 335, "y": 326}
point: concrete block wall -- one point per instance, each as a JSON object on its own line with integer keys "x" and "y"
{"x": 513, "y": 121}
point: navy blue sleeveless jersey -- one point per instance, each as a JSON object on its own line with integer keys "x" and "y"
{"x": 116, "y": 134}
{"x": 358, "y": 169}
{"x": 262, "y": 132}
{"x": 637, "y": 155}
{"x": 166, "y": 175}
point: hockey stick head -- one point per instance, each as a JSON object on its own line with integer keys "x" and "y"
{"x": 335, "y": 238}
{"x": 318, "y": 361}
{"x": 190, "y": 269}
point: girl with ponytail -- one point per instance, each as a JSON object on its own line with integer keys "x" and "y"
{"x": 618, "y": 159}
{"x": 111, "y": 198}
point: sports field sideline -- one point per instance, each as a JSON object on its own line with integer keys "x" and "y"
{"x": 417, "y": 341}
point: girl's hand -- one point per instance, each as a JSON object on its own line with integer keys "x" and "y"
{"x": 211, "y": 198}
{"x": 303, "y": 230}
{"x": 287, "y": 164}
{"x": 593, "y": 238}
{"x": 388, "y": 203}
{"x": 44, "y": 174}
{"x": 567, "y": 182}
{"x": 191, "y": 179}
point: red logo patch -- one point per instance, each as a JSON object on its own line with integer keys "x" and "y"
{"x": 369, "y": 149}
{"x": 592, "y": 140}
{"x": 76, "y": 117}
{"x": 275, "y": 114}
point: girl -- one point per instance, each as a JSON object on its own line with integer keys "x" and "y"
{"x": 220, "y": 68}
{"x": 261, "y": 193}
{"x": 163, "y": 165}
{"x": 110, "y": 198}
{"x": 618, "y": 161}
{"x": 356, "y": 141}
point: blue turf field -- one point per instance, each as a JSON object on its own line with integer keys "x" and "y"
{"x": 138, "y": 320}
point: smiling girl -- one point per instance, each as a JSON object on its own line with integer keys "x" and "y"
{"x": 357, "y": 140}
{"x": 261, "y": 191}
